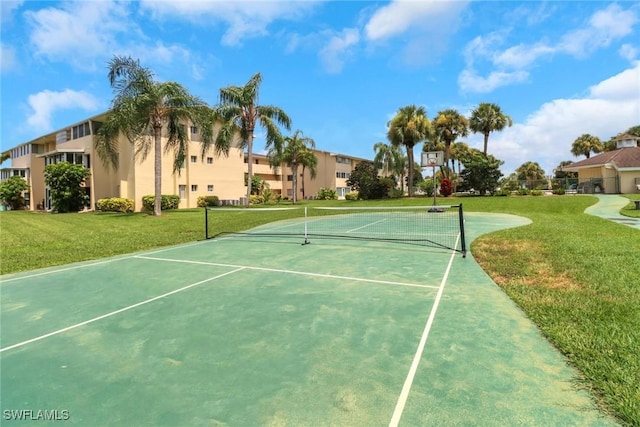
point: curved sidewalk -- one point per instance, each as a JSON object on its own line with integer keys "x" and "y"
{"x": 608, "y": 207}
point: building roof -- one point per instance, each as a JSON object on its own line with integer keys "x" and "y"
{"x": 621, "y": 158}
{"x": 626, "y": 136}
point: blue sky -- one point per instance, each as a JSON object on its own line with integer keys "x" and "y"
{"x": 340, "y": 69}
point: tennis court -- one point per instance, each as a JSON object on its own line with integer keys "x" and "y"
{"x": 260, "y": 329}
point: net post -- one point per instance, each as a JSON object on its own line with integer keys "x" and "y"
{"x": 463, "y": 244}
{"x": 306, "y": 234}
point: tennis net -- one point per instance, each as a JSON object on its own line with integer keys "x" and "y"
{"x": 432, "y": 226}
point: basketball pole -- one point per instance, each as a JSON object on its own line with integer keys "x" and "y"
{"x": 433, "y": 168}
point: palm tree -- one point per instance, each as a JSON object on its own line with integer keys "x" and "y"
{"x": 240, "y": 113}
{"x": 293, "y": 153}
{"x": 140, "y": 109}
{"x": 449, "y": 125}
{"x": 585, "y": 144}
{"x": 530, "y": 172}
{"x": 409, "y": 127}
{"x": 385, "y": 156}
{"x": 488, "y": 118}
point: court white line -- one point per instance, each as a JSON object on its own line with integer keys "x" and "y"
{"x": 301, "y": 273}
{"x": 95, "y": 319}
{"x": 366, "y": 225}
{"x": 406, "y": 388}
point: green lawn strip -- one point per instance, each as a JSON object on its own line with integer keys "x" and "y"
{"x": 630, "y": 209}
{"x": 575, "y": 275}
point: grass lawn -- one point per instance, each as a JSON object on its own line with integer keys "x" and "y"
{"x": 575, "y": 275}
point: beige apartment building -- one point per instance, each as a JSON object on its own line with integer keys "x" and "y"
{"x": 222, "y": 176}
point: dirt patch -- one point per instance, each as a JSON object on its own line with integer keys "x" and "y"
{"x": 532, "y": 267}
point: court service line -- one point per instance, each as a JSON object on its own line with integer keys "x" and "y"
{"x": 301, "y": 273}
{"x": 91, "y": 264}
{"x": 138, "y": 304}
{"x": 404, "y": 394}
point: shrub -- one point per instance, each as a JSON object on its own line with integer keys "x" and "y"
{"x": 351, "y": 195}
{"x": 254, "y": 199}
{"x": 502, "y": 192}
{"x": 115, "y": 204}
{"x": 523, "y": 192}
{"x": 426, "y": 186}
{"x": 395, "y": 193}
{"x": 167, "y": 202}
{"x": 327, "y": 194}
{"x": 445, "y": 187}
{"x": 11, "y": 191}
{"x": 208, "y": 201}
{"x": 559, "y": 191}
{"x": 537, "y": 192}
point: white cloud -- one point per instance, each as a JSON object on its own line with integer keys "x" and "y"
{"x": 612, "y": 106}
{"x": 8, "y": 7}
{"x": 338, "y": 49}
{"x": 470, "y": 81}
{"x": 7, "y": 58}
{"x": 86, "y": 34}
{"x": 603, "y": 28}
{"x": 244, "y": 19}
{"x": 78, "y": 32}
{"x": 426, "y": 28}
{"x": 628, "y": 52}
{"x": 44, "y": 104}
{"x": 401, "y": 15}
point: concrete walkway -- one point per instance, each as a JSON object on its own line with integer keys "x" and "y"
{"x": 608, "y": 207}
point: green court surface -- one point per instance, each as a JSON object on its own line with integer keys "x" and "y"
{"x": 265, "y": 331}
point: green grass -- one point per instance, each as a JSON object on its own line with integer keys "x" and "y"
{"x": 575, "y": 275}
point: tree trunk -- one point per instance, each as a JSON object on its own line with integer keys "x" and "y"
{"x": 157, "y": 170}
{"x": 302, "y": 182}
{"x": 410, "y": 159}
{"x": 294, "y": 170}
{"x": 249, "y": 166}
{"x": 486, "y": 143}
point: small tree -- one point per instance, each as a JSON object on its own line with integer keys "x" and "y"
{"x": 11, "y": 191}
{"x": 65, "y": 181}
{"x": 364, "y": 179}
{"x": 481, "y": 173}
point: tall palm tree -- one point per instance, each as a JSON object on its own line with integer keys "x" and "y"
{"x": 585, "y": 144}
{"x": 293, "y": 153}
{"x": 409, "y": 127}
{"x": 487, "y": 118}
{"x": 449, "y": 125}
{"x": 240, "y": 114}
{"x": 140, "y": 109}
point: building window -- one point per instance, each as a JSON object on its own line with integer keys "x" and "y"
{"x": 342, "y": 174}
{"x": 209, "y": 160}
{"x": 289, "y": 177}
{"x": 194, "y": 159}
{"x": 81, "y": 130}
{"x": 182, "y": 191}
{"x": 343, "y": 160}
{"x": 194, "y": 129}
{"x": 194, "y": 187}
{"x": 210, "y": 188}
